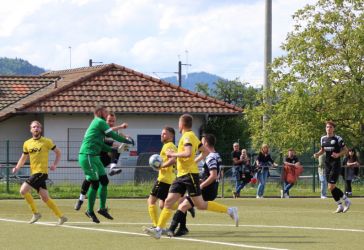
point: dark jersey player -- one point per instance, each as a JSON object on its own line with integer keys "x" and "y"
{"x": 208, "y": 183}
{"x": 335, "y": 148}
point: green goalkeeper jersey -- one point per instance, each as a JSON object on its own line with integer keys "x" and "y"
{"x": 93, "y": 141}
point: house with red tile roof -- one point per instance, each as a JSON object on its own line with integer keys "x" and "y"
{"x": 63, "y": 101}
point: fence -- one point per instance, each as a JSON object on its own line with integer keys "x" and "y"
{"x": 136, "y": 170}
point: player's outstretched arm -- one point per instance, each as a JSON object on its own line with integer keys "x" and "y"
{"x": 58, "y": 153}
{"x": 23, "y": 158}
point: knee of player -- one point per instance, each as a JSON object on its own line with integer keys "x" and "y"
{"x": 95, "y": 184}
{"x": 199, "y": 203}
{"x": 152, "y": 200}
{"x": 104, "y": 181}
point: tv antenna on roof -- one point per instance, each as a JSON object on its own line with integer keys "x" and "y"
{"x": 91, "y": 63}
{"x": 180, "y": 68}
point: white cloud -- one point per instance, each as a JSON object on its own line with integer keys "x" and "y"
{"x": 223, "y": 37}
{"x": 13, "y": 13}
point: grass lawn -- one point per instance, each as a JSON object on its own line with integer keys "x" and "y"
{"x": 270, "y": 223}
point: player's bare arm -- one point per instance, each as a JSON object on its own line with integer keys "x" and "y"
{"x": 342, "y": 153}
{"x": 212, "y": 178}
{"x": 57, "y": 151}
{"x": 23, "y": 158}
{"x": 171, "y": 161}
{"x": 316, "y": 155}
{"x": 187, "y": 150}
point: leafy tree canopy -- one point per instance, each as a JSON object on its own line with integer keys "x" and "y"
{"x": 229, "y": 129}
{"x": 319, "y": 78}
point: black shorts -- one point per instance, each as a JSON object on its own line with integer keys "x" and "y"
{"x": 332, "y": 170}
{"x": 37, "y": 181}
{"x": 189, "y": 182}
{"x": 209, "y": 193}
{"x": 160, "y": 190}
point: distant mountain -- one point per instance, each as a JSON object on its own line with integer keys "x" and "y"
{"x": 193, "y": 78}
{"x": 18, "y": 66}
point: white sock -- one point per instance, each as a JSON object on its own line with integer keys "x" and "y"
{"x": 82, "y": 197}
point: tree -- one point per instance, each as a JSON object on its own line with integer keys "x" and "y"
{"x": 233, "y": 92}
{"x": 18, "y": 66}
{"x": 229, "y": 129}
{"x": 320, "y": 77}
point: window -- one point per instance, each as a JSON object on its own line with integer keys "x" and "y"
{"x": 149, "y": 143}
{"x": 74, "y": 140}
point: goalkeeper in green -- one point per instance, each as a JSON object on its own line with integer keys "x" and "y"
{"x": 89, "y": 160}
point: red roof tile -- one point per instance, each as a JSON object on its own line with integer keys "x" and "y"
{"x": 120, "y": 89}
{"x": 15, "y": 88}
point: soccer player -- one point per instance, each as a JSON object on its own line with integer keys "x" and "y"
{"x": 106, "y": 158}
{"x": 37, "y": 149}
{"x": 89, "y": 160}
{"x": 209, "y": 184}
{"x": 334, "y": 147}
{"x": 187, "y": 178}
{"x": 166, "y": 175}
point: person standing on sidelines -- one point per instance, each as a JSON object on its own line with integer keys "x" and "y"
{"x": 335, "y": 148}
{"x": 322, "y": 175}
{"x": 166, "y": 175}
{"x": 291, "y": 167}
{"x": 237, "y": 169}
{"x": 264, "y": 161}
{"x": 187, "y": 179}
{"x": 350, "y": 165}
{"x": 37, "y": 149}
{"x": 209, "y": 184}
{"x": 106, "y": 158}
{"x": 89, "y": 160}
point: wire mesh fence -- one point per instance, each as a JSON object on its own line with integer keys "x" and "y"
{"x": 135, "y": 170}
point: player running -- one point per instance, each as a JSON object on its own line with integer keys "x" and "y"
{"x": 166, "y": 175}
{"x": 187, "y": 178}
{"x": 334, "y": 147}
{"x": 37, "y": 149}
{"x": 209, "y": 185}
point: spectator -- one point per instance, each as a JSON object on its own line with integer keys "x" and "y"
{"x": 350, "y": 164}
{"x": 291, "y": 170}
{"x": 236, "y": 170}
{"x": 264, "y": 162}
{"x": 322, "y": 175}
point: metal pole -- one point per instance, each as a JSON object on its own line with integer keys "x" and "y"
{"x": 267, "y": 43}
{"x": 222, "y": 181}
{"x": 70, "y": 56}
{"x": 267, "y": 50}
{"x": 7, "y": 166}
{"x": 314, "y": 170}
{"x": 179, "y": 73}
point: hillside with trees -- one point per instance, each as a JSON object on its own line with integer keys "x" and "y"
{"x": 18, "y": 66}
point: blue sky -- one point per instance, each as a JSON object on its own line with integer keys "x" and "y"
{"x": 223, "y": 37}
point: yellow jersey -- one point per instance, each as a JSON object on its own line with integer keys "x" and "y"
{"x": 188, "y": 165}
{"x": 38, "y": 150}
{"x": 167, "y": 175}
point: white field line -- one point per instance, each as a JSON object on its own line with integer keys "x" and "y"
{"x": 140, "y": 234}
{"x": 223, "y": 225}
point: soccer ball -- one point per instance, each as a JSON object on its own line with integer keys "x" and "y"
{"x": 155, "y": 161}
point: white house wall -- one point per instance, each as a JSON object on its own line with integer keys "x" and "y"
{"x": 55, "y": 126}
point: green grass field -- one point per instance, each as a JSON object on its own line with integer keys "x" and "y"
{"x": 270, "y": 223}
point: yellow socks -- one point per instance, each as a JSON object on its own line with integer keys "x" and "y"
{"x": 164, "y": 217}
{"x": 52, "y": 205}
{"x": 216, "y": 207}
{"x": 153, "y": 213}
{"x": 29, "y": 199}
